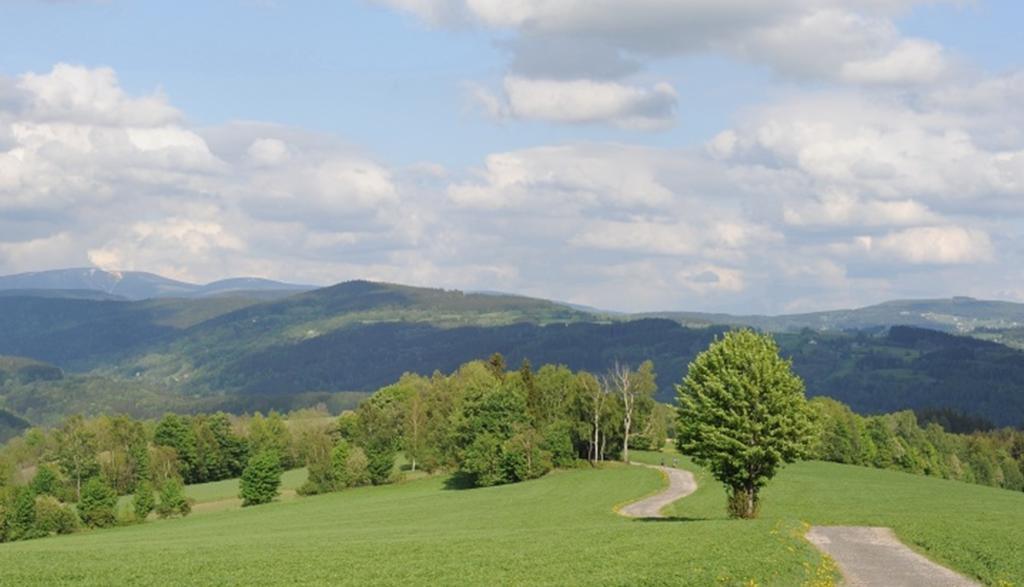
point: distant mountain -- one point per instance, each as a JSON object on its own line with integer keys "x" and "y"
{"x": 235, "y": 349}
{"x": 959, "y": 314}
{"x": 139, "y": 285}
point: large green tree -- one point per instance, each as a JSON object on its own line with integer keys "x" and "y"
{"x": 742, "y": 414}
{"x": 97, "y": 505}
{"x": 76, "y": 452}
{"x": 261, "y": 479}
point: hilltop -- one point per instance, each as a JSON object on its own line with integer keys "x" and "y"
{"x": 140, "y": 285}
{"x": 240, "y": 351}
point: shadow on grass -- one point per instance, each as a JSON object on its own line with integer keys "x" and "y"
{"x": 458, "y": 482}
{"x": 676, "y": 519}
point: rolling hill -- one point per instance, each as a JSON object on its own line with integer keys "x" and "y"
{"x": 139, "y": 285}
{"x": 356, "y": 336}
{"x": 959, "y": 314}
{"x": 424, "y": 532}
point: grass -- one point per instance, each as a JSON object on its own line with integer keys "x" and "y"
{"x": 979, "y": 531}
{"x": 555, "y": 531}
{"x": 559, "y": 530}
{"x": 220, "y": 495}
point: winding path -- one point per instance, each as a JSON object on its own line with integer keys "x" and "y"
{"x": 874, "y": 556}
{"x": 680, "y": 484}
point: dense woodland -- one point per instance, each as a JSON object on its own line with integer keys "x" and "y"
{"x": 241, "y": 355}
{"x": 484, "y": 423}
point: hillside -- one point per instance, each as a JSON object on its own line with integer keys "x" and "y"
{"x": 959, "y": 315}
{"x": 11, "y": 425}
{"x": 139, "y": 285}
{"x": 422, "y": 532}
{"x": 357, "y": 336}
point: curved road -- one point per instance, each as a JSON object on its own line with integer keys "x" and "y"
{"x": 680, "y": 484}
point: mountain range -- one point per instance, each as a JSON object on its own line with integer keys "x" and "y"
{"x": 75, "y": 342}
{"x": 139, "y": 285}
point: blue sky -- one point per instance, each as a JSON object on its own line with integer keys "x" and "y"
{"x": 740, "y": 156}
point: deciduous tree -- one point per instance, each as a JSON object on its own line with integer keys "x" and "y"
{"x": 742, "y": 414}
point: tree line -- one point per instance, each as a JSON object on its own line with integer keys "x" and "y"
{"x": 898, "y": 441}
{"x": 740, "y": 411}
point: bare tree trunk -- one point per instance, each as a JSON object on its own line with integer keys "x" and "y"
{"x": 622, "y": 380}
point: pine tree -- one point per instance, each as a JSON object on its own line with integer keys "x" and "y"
{"x": 144, "y": 501}
{"x": 260, "y": 479}
{"x": 96, "y": 507}
{"x": 172, "y": 500}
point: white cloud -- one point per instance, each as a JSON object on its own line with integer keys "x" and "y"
{"x": 815, "y": 200}
{"x": 941, "y": 245}
{"x": 851, "y": 40}
{"x": 583, "y": 101}
{"x": 566, "y": 179}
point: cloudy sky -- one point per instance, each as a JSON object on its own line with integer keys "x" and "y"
{"x": 733, "y": 155}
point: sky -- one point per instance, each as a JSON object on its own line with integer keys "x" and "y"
{"x": 748, "y": 156}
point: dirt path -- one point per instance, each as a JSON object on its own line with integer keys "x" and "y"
{"x": 680, "y": 484}
{"x": 874, "y": 556}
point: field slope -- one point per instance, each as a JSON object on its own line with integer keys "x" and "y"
{"x": 558, "y": 530}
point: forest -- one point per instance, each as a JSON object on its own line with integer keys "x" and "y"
{"x": 485, "y": 423}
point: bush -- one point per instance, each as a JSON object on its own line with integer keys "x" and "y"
{"x": 558, "y": 442}
{"x": 330, "y": 474}
{"x": 144, "y": 500}
{"x": 98, "y": 503}
{"x": 21, "y": 515}
{"x": 53, "y": 517}
{"x": 380, "y": 464}
{"x": 357, "y": 468}
{"x": 261, "y": 479}
{"x": 172, "y": 500}
{"x": 46, "y": 481}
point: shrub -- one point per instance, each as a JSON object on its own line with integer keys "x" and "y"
{"x": 46, "y": 481}
{"x": 356, "y": 468}
{"x": 21, "y": 517}
{"x": 97, "y": 505}
{"x": 54, "y": 517}
{"x": 172, "y": 500}
{"x": 144, "y": 500}
{"x": 380, "y": 464}
{"x": 261, "y": 479}
{"x": 558, "y": 442}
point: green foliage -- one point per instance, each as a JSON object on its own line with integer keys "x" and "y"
{"x": 261, "y": 479}
{"x": 11, "y": 425}
{"x": 45, "y": 481}
{"x": 97, "y": 505}
{"x": 21, "y": 515}
{"x": 175, "y": 432}
{"x": 742, "y": 414}
{"x": 220, "y": 453}
{"x": 328, "y": 468}
{"x": 271, "y": 434}
{"x": 172, "y": 500}
{"x": 897, "y": 441}
{"x": 144, "y": 500}
{"x": 54, "y": 517}
{"x": 76, "y": 452}
{"x": 125, "y": 443}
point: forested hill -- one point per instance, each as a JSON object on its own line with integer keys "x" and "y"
{"x": 959, "y": 315}
{"x": 359, "y": 335}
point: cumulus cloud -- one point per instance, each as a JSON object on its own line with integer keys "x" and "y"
{"x": 847, "y": 40}
{"x": 823, "y": 198}
{"x": 583, "y": 101}
{"x": 941, "y": 245}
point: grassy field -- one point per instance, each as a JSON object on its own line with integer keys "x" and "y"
{"x": 559, "y": 530}
{"x": 976, "y": 530}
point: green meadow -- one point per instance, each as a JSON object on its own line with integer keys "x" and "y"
{"x": 558, "y": 530}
